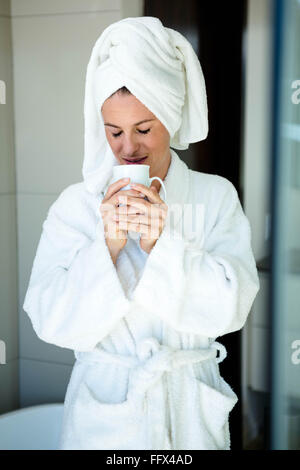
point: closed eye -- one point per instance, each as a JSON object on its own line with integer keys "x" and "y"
{"x": 142, "y": 132}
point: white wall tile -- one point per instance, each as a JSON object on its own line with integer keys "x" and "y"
{"x": 7, "y": 163}
{"x": 45, "y": 7}
{"x": 50, "y": 58}
{"x": 8, "y": 276}
{"x": 132, "y": 8}
{"x": 5, "y": 7}
{"x": 43, "y": 382}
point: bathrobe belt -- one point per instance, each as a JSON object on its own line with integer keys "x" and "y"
{"x": 145, "y": 387}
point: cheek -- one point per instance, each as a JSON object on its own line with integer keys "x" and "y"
{"x": 155, "y": 140}
{"x": 159, "y": 142}
{"x": 114, "y": 146}
{"x": 113, "y": 143}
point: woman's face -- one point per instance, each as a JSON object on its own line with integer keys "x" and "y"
{"x": 127, "y": 139}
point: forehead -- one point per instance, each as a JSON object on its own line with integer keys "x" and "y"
{"x": 127, "y": 104}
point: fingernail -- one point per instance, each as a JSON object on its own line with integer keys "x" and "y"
{"x": 126, "y": 179}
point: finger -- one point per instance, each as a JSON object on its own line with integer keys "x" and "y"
{"x": 130, "y": 192}
{"x": 127, "y": 210}
{"x": 133, "y": 201}
{"x": 150, "y": 231}
{"x": 153, "y": 211}
{"x": 136, "y": 218}
{"x": 112, "y": 230}
{"x": 151, "y": 195}
{"x": 133, "y": 227}
{"x": 125, "y": 192}
{"x": 108, "y": 206}
{"x": 115, "y": 187}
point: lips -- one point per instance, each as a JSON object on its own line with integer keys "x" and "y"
{"x": 135, "y": 162}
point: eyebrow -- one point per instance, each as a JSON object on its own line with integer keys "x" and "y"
{"x": 136, "y": 124}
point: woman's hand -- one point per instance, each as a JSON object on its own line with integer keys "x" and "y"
{"x": 115, "y": 237}
{"x": 145, "y": 216}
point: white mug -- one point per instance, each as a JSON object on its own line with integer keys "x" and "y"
{"x": 137, "y": 174}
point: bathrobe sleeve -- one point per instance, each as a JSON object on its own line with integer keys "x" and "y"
{"x": 207, "y": 289}
{"x": 74, "y": 297}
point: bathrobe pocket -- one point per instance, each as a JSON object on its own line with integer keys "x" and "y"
{"x": 214, "y": 405}
{"x": 101, "y": 425}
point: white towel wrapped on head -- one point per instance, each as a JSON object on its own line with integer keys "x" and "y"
{"x": 159, "y": 66}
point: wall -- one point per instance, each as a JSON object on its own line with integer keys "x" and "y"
{"x": 256, "y": 160}
{"x": 9, "y": 378}
{"x": 255, "y": 177}
{"x": 52, "y": 43}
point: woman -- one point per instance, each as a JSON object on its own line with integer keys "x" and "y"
{"x": 142, "y": 315}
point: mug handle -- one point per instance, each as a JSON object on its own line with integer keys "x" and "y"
{"x": 157, "y": 178}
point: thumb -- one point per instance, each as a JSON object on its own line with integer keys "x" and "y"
{"x": 154, "y": 188}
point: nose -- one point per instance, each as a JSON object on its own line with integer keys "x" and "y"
{"x": 129, "y": 146}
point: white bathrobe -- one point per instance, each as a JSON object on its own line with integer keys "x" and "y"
{"x": 146, "y": 374}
